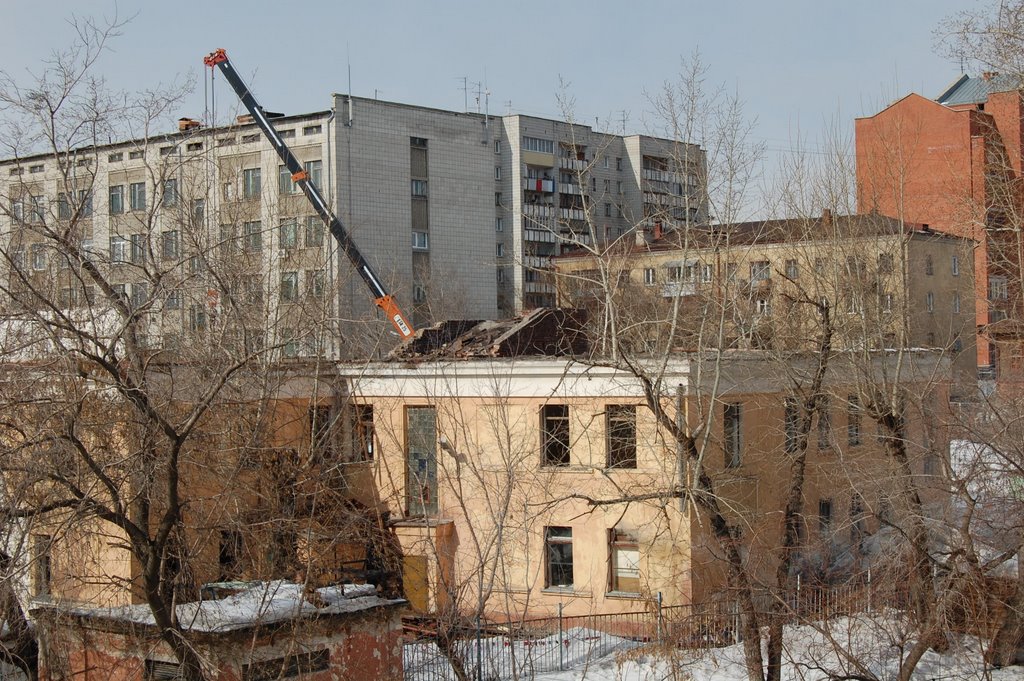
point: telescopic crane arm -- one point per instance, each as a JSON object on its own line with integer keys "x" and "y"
{"x": 384, "y": 300}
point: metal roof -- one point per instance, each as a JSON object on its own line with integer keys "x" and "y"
{"x": 968, "y": 90}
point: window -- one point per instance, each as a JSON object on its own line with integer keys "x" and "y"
{"x": 135, "y": 154}
{"x": 289, "y": 287}
{"x": 620, "y": 429}
{"x": 618, "y": 187}
{"x": 853, "y": 421}
{"x": 792, "y": 424}
{"x": 85, "y": 203}
{"x": 312, "y": 130}
{"x": 730, "y": 271}
{"x": 170, "y": 244}
{"x": 140, "y": 294}
{"x": 299, "y": 664}
{"x": 250, "y": 139}
{"x": 289, "y": 233}
{"x": 884, "y": 263}
{"x": 322, "y": 431}
{"x": 824, "y": 423}
{"x": 558, "y": 553}
{"x": 623, "y": 562}
{"x": 117, "y": 205}
{"x": 37, "y": 253}
{"x": 419, "y": 293}
{"x": 618, "y": 164}
{"x": 174, "y": 300}
{"x": 499, "y": 250}
{"x": 732, "y": 436}
{"x": 42, "y": 564}
{"x": 497, "y": 146}
{"x": 825, "y": 517}
{"x": 228, "y": 243}
{"x": 138, "y": 249}
{"x": 232, "y": 548}
{"x": 197, "y": 317}
{"x": 607, "y": 210}
{"x": 421, "y": 461}
{"x": 760, "y": 270}
{"x": 762, "y": 307}
{"x": 501, "y": 275}
{"x": 156, "y": 670}
{"x": 137, "y": 196}
{"x": 284, "y": 181}
{"x": 650, "y": 276}
{"x": 497, "y": 172}
{"x": 885, "y": 301}
{"x": 497, "y": 198}
{"x": 707, "y": 272}
{"x": 315, "y": 170}
{"x": 419, "y": 188}
{"x": 997, "y": 288}
{"x": 955, "y": 266}
{"x": 118, "y": 249}
{"x": 792, "y": 270}
{"x": 37, "y": 209}
{"x": 252, "y": 236}
{"x": 956, "y": 302}
{"x": 499, "y": 224}
{"x": 675, "y": 272}
{"x": 554, "y": 443}
{"x": 540, "y": 145}
{"x": 289, "y": 343}
{"x": 63, "y": 207}
{"x": 169, "y": 197}
{"x": 362, "y": 432}
{"x": 250, "y": 183}
{"x": 198, "y": 211}
{"x": 420, "y": 241}
{"x": 120, "y": 292}
{"x": 929, "y": 301}
{"x": 316, "y": 283}
{"x": 929, "y": 268}
{"x": 314, "y": 232}
{"x": 114, "y": 158}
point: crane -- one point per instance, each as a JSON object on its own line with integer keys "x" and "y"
{"x": 384, "y": 300}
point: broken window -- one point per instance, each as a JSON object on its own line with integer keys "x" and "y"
{"x": 620, "y": 426}
{"x": 421, "y": 461}
{"x": 555, "y": 434}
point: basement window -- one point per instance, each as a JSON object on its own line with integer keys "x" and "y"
{"x": 287, "y": 667}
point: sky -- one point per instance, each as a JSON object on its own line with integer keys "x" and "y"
{"x": 800, "y": 66}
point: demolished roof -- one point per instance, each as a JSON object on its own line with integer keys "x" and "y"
{"x": 551, "y": 332}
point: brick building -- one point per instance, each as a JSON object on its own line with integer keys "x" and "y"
{"x": 955, "y": 164}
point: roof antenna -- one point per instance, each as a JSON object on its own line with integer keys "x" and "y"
{"x": 348, "y": 58}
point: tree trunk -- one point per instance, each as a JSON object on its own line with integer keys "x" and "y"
{"x": 1002, "y": 650}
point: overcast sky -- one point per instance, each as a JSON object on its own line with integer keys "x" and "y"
{"x": 798, "y": 64}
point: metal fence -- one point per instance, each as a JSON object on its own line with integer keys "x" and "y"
{"x": 521, "y": 649}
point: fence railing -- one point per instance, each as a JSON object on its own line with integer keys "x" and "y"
{"x": 527, "y": 647}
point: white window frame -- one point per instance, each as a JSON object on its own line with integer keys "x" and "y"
{"x": 421, "y": 241}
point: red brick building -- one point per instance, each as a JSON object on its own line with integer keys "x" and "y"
{"x": 270, "y": 631}
{"x": 955, "y": 164}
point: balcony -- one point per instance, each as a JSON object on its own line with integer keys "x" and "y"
{"x": 570, "y": 188}
{"x": 536, "y": 184}
{"x": 537, "y": 262}
{"x": 537, "y": 287}
{"x": 673, "y": 289}
{"x": 572, "y": 163}
{"x": 572, "y": 214}
{"x": 539, "y": 236}
{"x": 538, "y": 211}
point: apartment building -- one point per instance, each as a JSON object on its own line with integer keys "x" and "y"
{"x": 458, "y": 214}
{"x": 888, "y": 284}
{"x": 954, "y": 163}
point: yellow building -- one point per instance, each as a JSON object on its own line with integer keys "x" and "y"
{"x": 499, "y": 468}
{"x": 889, "y": 284}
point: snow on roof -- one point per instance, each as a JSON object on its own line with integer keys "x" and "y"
{"x": 263, "y": 603}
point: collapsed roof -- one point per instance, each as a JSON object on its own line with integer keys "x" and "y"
{"x": 551, "y": 332}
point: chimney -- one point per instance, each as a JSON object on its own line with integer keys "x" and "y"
{"x": 826, "y": 217}
{"x": 186, "y": 124}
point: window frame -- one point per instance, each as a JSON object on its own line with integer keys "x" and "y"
{"x": 620, "y": 436}
{"x": 137, "y": 196}
{"x": 732, "y": 434}
{"x": 619, "y": 542}
{"x": 555, "y": 537}
{"x": 555, "y": 435}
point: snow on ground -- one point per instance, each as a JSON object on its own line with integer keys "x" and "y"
{"x": 850, "y": 645}
{"x": 263, "y": 602}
